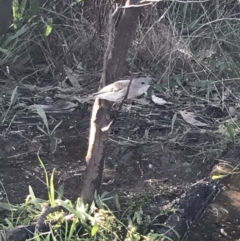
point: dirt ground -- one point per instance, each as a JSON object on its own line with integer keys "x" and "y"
{"x": 150, "y": 151}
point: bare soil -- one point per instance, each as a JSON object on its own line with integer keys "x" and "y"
{"x": 148, "y": 152}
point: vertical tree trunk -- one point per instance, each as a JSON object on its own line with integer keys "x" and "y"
{"x": 101, "y": 110}
{"x": 5, "y": 15}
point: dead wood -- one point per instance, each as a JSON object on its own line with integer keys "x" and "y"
{"x": 190, "y": 208}
{"x": 100, "y": 120}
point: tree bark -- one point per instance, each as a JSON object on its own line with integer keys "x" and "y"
{"x": 101, "y": 110}
{"x": 5, "y": 15}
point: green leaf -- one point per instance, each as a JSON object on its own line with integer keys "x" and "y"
{"x": 41, "y": 129}
{"x": 44, "y": 168}
{"x": 200, "y": 83}
{"x": 14, "y": 96}
{"x": 34, "y": 6}
{"x": 218, "y": 177}
{"x": 117, "y": 202}
{"x": 42, "y": 114}
{"x": 22, "y": 7}
{"x": 18, "y": 33}
{"x": 173, "y": 121}
{"x": 9, "y": 223}
{"x": 56, "y": 126}
{"x": 60, "y": 191}
{"x": 8, "y": 206}
{"x": 94, "y": 230}
{"x": 52, "y": 190}
{"x": 83, "y": 216}
{"x": 219, "y": 63}
{"x": 231, "y": 133}
{"x": 16, "y": 13}
{"x": 209, "y": 89}
{"x": 49, "y": 27}
{"x": 7, "y": 52}
{"x": 34, "y": 201}
{"x": 72, "y": 229}
{"x": 158, "y": 87}
{"x": 18, "y": 9}
{"x": 178, "y": 81}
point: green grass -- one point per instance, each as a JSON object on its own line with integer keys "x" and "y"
{"x": 76, "y": 221}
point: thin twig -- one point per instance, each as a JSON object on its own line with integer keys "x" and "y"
{"x": 138, "y": 6}
{"x": 126, "y": 95}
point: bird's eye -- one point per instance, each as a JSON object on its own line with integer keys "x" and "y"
{"x": 142, "y": 83}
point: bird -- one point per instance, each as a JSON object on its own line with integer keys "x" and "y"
{"x": 116, "y": 91}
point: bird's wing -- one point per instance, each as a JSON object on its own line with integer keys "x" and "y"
{"x": 118, "y": 86}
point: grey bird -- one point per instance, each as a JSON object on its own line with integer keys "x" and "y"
{"x": 117, "y": 91}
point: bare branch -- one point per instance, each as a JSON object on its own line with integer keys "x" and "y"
{"x": 40, "y": 225}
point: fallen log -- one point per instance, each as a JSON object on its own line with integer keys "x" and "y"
{"x": 191, "y": 206}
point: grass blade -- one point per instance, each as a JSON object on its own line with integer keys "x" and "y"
{"x": 42, "y": 114}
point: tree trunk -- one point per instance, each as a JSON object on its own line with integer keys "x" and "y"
{"x": 5, "y": 15}
{"x": 101, "y": 110}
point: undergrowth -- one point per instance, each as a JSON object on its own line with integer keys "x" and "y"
{"x": 75, "y": 221}
{"x": 198, "y": 42}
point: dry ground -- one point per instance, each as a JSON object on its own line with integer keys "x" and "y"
{"x": 151, "y": 150}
